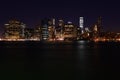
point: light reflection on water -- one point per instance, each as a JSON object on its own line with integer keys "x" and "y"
{"x": 80, "y": 61}
{"x": 81, "y": 44}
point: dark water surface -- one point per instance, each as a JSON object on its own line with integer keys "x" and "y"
{"x": 78, "y": 61}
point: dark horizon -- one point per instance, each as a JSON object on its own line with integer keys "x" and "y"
{"x": 32, "y": 12}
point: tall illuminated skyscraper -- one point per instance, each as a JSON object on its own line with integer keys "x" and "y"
{"x": 81, "y": 22}
{"x": 51, "y": 29}
{"x": 47, "y": 29}
{"x": 44, "y": 29}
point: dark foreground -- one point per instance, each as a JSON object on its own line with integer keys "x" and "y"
{"x": 60, "y": 61}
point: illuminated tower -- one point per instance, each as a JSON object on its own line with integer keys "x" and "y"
{"x": 81, "y": 21}
{"x": 44, "y": 29}
{"x": 61, "y": 25}
{"x": 23, "y": 30}
{"x": 51, "y": 29}
{"x": 47, "y": 29}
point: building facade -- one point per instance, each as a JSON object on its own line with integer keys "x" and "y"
{"x": 14, "y": 30}
{"x": 70, "y": 31}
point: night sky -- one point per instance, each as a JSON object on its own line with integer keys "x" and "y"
{"x": 31, "y": 12}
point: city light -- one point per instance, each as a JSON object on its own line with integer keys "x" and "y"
{"x": 48, "y": 30}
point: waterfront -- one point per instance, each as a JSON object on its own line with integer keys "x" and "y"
{"x": 77, "y": 61}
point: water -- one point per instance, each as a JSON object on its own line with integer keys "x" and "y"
{"x": 78, "y": 61}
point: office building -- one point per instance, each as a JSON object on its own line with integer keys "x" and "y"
{"x": 14, "y": 30}
{"x": 59, "y": 30}
{"x": 70, "y": 31}
{"x": 81, "y": 24}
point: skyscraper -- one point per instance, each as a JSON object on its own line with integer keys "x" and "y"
{"x": 47, "y": 29}
{"x": 81, "y": 24}
{"x": 99, "y": 24}
{"x": 96, "y": 28}
{"x": 44, "y": 29}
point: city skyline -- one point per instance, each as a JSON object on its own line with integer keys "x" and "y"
{"x": 49, "y": 30}
{"x": 33, "y": 11}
